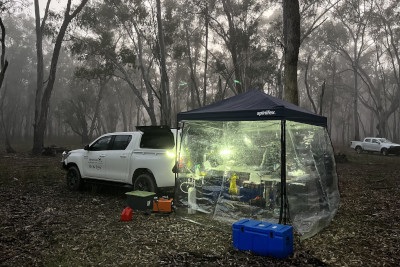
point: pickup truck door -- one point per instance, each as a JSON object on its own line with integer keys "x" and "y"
{"x": 375, "y": 145}
{"x": 118, "y": 158}
{"x": 367, "y": 144}
{"x": 95, "y": 160}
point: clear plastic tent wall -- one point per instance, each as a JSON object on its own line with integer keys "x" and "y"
{"x": 230, "y": 170}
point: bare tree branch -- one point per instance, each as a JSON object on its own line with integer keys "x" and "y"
{"x": 307, "y": 85}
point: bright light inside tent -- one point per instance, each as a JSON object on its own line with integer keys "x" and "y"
{"x": 170, "y": 154}
{"x": 247, "y": 141}
{"x": 225, "y": 152}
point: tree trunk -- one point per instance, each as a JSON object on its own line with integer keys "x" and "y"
{"x": 177, "y": 94}
{"x": 333, "y": 96}
{"x": 194, "y": 87}
{"x": 362, "y": 125}
{"x": 232, "y": 46}
{"x": 145, "y": 76}
{"x": 138, "y": 115}
{"x": 321, "y": 98}
{"x": 394, "y": 130}
{"x": 205, "y": 57}
{"x": 165, "y": 94}
{"x": 37, "y": 139}
{"x": 42, "y": 101}
{"x": 103, "y": 83}
{"x": 148, "y": 107}
{"x": 307, "y": 85}
{"x": 220, "y": 93}
{"x": 4, "y": 63}
{"x": 382, "y": 124}
{"x": 123, "y": 112}
{"x": 343, "y": 131}
{"x": 7, "y": 143}
{"x": 371, "y": 124}
{"x": 355, "y": 99}
{"x": 291, "y": 33}
{"x": 279, "y": 79}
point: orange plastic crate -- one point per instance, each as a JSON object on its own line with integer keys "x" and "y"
{"x": 162, "y": 205}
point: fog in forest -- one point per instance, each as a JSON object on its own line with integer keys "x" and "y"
{"x": 78, "y": 70}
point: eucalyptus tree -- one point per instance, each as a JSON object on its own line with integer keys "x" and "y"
{"x": 316, "y": 58}
{"x": 205, "y": 12}
{"x": 197, "y": 50}
{"x": 192, "y": 44}
{"x": 16, "y": 104}
{"x": 113, "y": 38}
{"x": 322, "y": 75}
{"x": 290, "y": 33}
{"x": 78, "y": 111}
{"x": 381, "y": 74}
{"x": 164, "y": 81}
{"x": 140, "y": 48}
{"x": 21, "y": 76}
{"x": 4, "y": 6}
{"x": 354, "y": 17}
{"x": 313, "y": 15}
{"x": 99, "y": 73}
{"x": 240, "y": 36}
{"x": 44, "y": 87}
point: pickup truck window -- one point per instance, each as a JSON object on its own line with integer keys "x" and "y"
{"x": 368, "y": 140}
{"x": 375, "y": 141}
{"x": 101, "y": 144}
{"x": 157, "y": 140}
{"x": 121, "y": 142}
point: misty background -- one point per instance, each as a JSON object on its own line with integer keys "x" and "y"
{"x": 122, "y": 63}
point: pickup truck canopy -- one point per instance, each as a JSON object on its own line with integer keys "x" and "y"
{"x": 157, "y": 137}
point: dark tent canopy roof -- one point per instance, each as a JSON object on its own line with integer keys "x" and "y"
{"x": 252, "y": 106}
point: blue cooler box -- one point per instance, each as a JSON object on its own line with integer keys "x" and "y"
{"x": 266, "y": 239}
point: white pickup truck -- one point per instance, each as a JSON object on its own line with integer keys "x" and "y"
{"x": 144, "y": 159}
{"x": 374, "y": 144}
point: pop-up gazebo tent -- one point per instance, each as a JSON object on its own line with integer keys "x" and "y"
{"x": 258, "y": 157}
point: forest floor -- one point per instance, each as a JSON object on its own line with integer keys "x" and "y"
{"x": 42, "y": 223}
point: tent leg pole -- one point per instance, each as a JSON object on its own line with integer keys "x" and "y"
{"x": 282, "y": 213}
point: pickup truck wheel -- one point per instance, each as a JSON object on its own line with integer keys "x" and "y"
{"x": 74, "y": 180}
{"x": 384, "y": 151}
{"x": 359, "y": 150}
{"x": 145, "y": 182}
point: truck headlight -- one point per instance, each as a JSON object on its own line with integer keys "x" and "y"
{"x": 65, "y": 155}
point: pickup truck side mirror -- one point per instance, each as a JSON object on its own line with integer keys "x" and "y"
{"x": 86, "y": 147}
